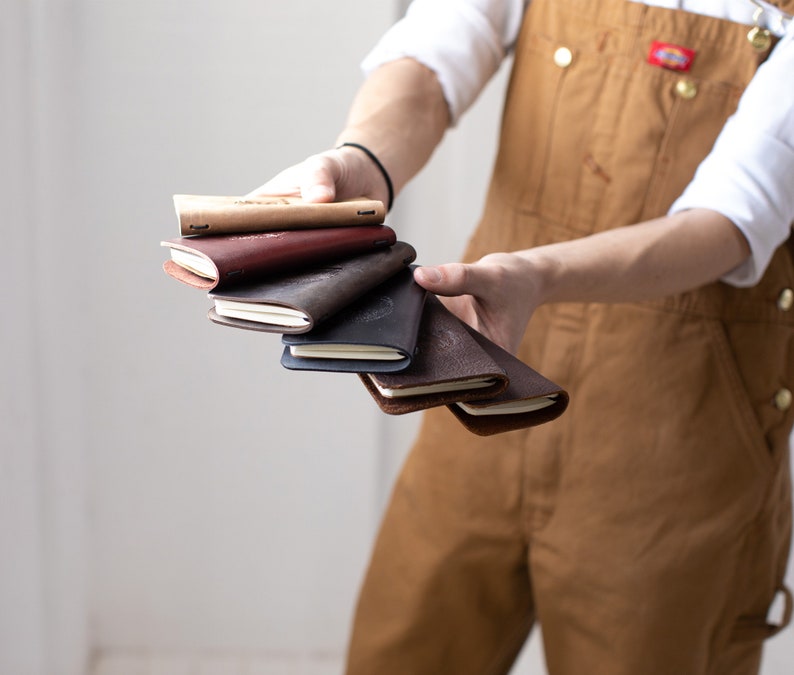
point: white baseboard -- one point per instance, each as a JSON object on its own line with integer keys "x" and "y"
{"x": 135, "y": 663}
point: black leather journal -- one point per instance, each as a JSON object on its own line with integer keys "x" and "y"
{"x": 377, "y": 333}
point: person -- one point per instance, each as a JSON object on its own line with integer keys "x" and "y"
{"x": 633, "y": 248}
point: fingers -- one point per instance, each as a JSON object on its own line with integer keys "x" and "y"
{"x": 285, "y": 184}
{"x": 315, "y": 180}
{"x": 318, "y": 179}
{"x": 338, "y": 174}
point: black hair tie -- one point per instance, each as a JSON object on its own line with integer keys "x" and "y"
{"x": 380, "y": 166}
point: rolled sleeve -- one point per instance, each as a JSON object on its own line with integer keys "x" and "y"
{"x": 749, "y": 175}
{"x": 463, "y": 43}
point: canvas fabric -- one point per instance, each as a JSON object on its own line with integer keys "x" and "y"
{"x": 646, "y": 530}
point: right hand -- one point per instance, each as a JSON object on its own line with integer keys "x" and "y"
{"x": 496, "y": 295}
{"x": 333, "y": 175}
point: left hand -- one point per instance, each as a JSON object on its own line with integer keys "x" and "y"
{"x": 496, "y": 295}
{"x": 342, "y": 173}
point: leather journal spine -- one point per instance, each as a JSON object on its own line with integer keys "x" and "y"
{"x": 207, "y": 215}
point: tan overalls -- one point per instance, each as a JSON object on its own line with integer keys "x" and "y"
{"x": 647, "y": 529}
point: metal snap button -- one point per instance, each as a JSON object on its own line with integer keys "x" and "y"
{"x": 785, "y": 301}
{"x": 783, "y": 399}
{"x": 686, "y": 89}
{"x": 563, "y": 57}
{"x": 759, "y": 38}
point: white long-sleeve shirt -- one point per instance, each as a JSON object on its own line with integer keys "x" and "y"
{"x": 749, "y": 174}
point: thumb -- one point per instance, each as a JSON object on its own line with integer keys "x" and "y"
{"x": 446, "y": 280}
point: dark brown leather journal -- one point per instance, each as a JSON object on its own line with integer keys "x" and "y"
{"x": 377, "y": 333}
{"x": 487, "y": 389}
{"x": 300, "y": 301}
{"x": 218, "y": 214}
{"x": 448, "y": 366}
{"x": 530, "y": 398}
{"x": 223, "y": 260}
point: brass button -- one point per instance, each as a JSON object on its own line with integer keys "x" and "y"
{"x": 686, "y": 89}
{"x": 785, "y": 301}
{"x": 783, "y": 399}
{"x": 759, "y": 38}
{"x": 563, "y": 57}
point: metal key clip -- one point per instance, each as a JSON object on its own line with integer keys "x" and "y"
{"x": 760, "y": 38}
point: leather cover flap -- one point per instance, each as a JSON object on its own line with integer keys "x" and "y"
{"x": 240, "y": 258}
{"x": 218, "y": 214}
{"x": 446, "y": 353}
{"x": 319, "y": 292}
{"x": 525, "y": 384}
{"x": 187, "y": 277}
{"x": 389, "y": 315}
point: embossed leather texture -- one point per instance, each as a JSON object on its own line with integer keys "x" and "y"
{"x": 318, "y": 293}
{"x": 387, "y": 316}
{"x": 451, "y": 352}
{"x": 241, "y": 258}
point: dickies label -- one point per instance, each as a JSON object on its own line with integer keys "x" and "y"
{"x": 670, "y": 56}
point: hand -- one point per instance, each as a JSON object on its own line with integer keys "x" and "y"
{"x": 342, "y": 173}
{"x": 496, "y": 295}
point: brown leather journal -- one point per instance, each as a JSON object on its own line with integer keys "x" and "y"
{"x": 529, "y": 399}
{"x": 223, "y": 260}
{"x": 489, "y": 390}
{"x": 448, "y": 366}
{"x": 218, "y": 214}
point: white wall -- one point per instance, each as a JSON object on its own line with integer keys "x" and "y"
{"x": 233, "y": 501}
{"x": 42, "y": 471}
{"x": 166, "y": 488}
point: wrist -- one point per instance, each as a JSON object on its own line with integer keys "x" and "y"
{"x": 539, "y": 269}
{"x": 373, "y": 160}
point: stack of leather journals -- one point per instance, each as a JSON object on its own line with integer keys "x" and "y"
{"x": 335, "y": 283}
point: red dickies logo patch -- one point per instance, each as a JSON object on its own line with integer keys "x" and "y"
{"x": 672, "y": 57}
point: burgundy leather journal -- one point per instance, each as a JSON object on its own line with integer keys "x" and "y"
{"x": 217, "y": 214}
{"x": 377, "y": 333}
{"x": 300, "y": 301}
{"x": 223, "y": 260}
